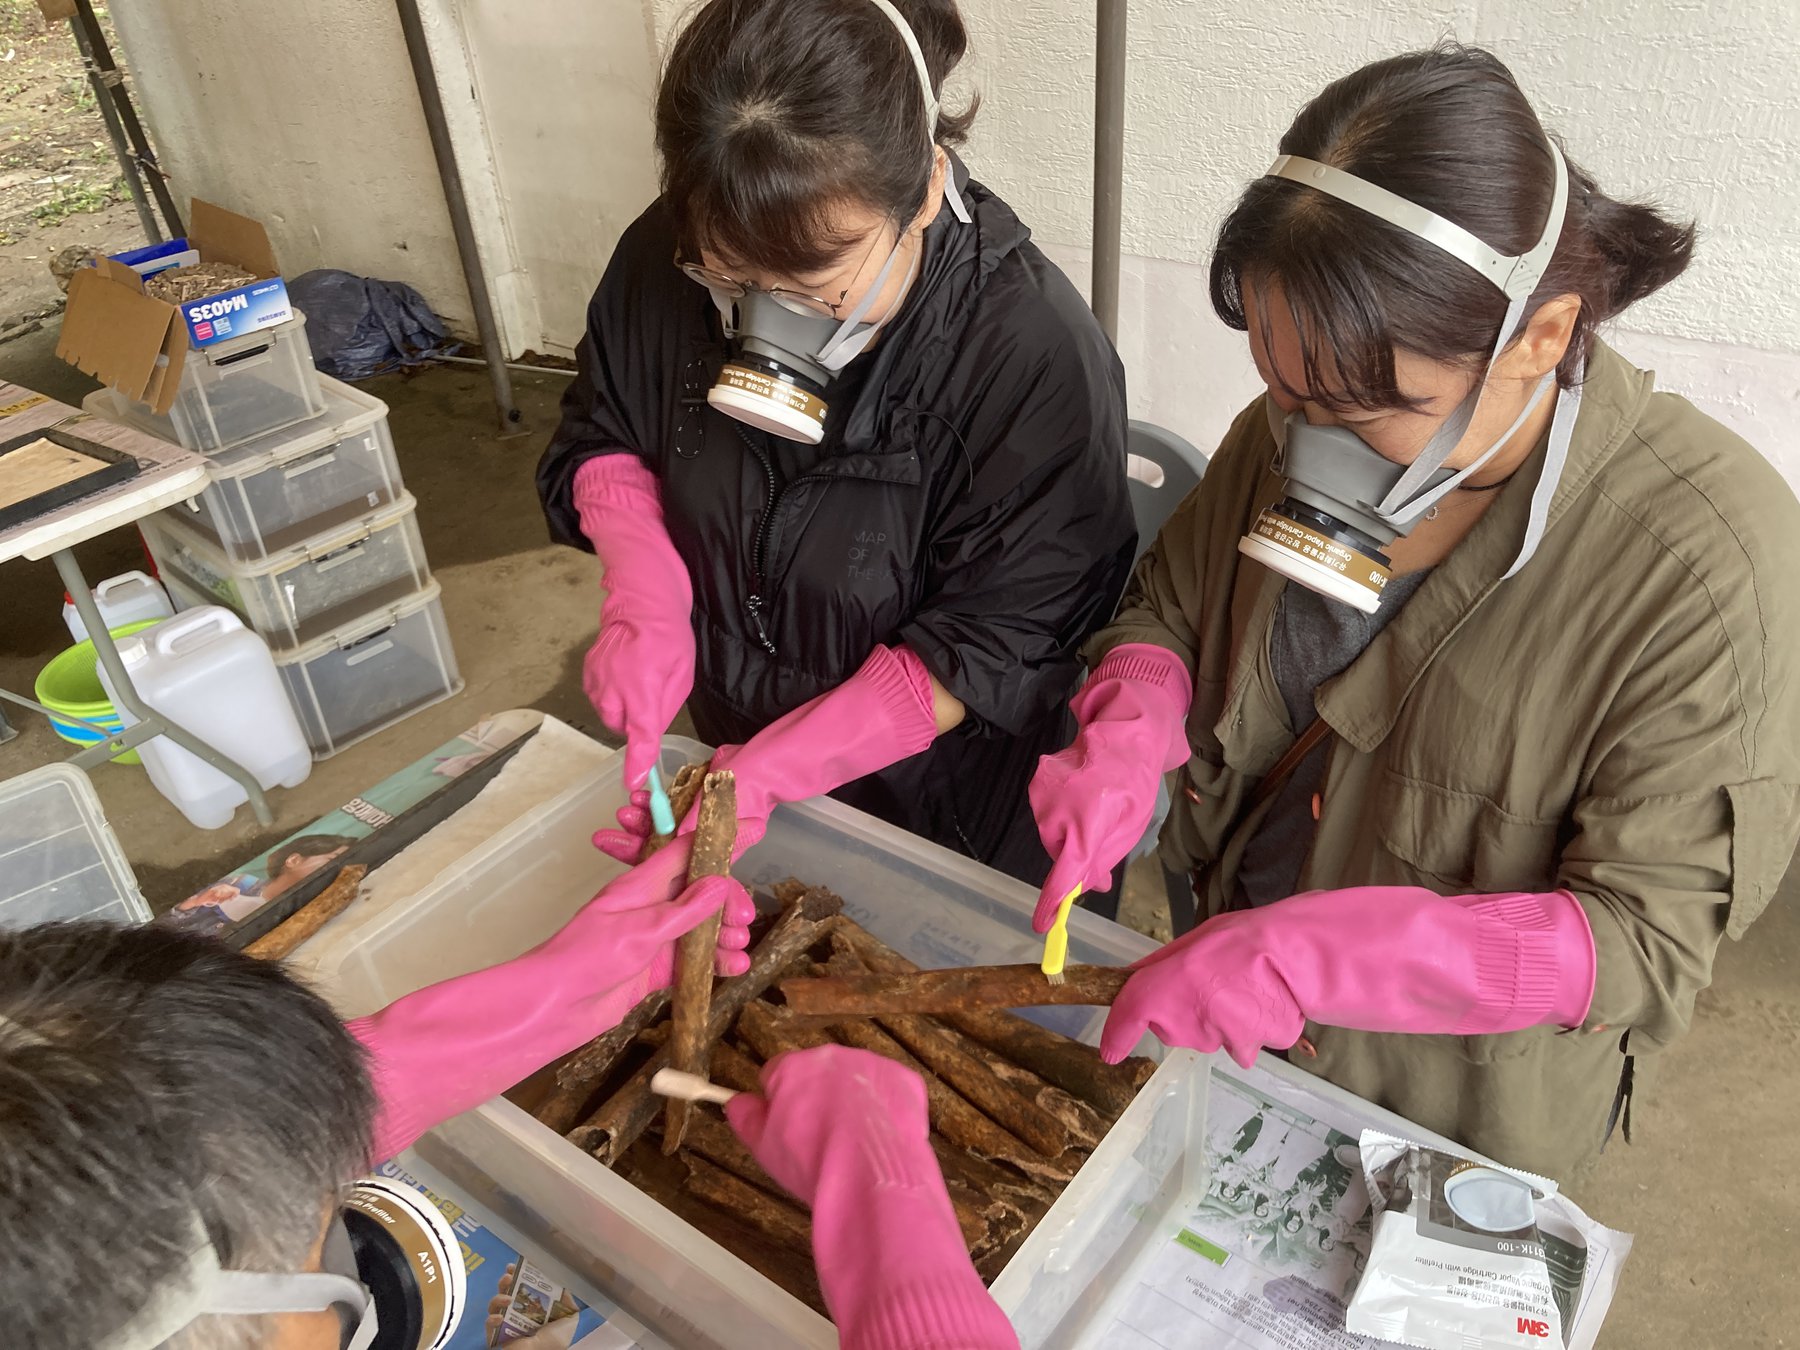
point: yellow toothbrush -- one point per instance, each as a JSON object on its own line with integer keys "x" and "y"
{"x": 1056, "y": 941}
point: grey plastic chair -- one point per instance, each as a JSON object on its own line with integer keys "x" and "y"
{"x": 1161, "y": 469}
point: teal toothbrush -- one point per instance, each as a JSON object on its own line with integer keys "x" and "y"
{"x": 662, "y": 815}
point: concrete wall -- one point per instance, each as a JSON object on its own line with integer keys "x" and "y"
{"x": 305, "y": 114}
{"x": 1692, "y": 107}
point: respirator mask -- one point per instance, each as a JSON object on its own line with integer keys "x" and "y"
{"x": 786, "y": 347}
{"x": 392, "y": 1270}
{"x": 1345, "y": 502}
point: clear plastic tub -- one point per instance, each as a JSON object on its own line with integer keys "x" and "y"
{"x": 58, "y": 856}
{"x": 280, "y": 489}
{"x": 367, "y": 675}
{"x": 939, "y": 908}
{"x": 238, "y": 389}
{"x": 307, "y": 591}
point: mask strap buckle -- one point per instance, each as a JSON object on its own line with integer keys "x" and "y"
{"x": 953, "y": 195}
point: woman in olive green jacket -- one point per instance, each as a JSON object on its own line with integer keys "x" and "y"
{"x": 1477, "y": 763}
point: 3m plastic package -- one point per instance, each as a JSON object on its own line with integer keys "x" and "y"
{"x": 1468, "y": 1255}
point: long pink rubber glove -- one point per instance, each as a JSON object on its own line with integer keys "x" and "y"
{"x": 845, "y": 1130}
{"x": 1094, "y": 800}
{"x": 451, "y": 1046}
{"x": 1369, "y": 958}
{"x": 640, "y": 669}
{"x": 877, "y": 717}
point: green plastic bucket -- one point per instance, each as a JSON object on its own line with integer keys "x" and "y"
{"x": 70, "y": 684}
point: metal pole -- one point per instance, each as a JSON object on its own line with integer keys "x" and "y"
{"x": 112, "y": 80}
{"x": 432, "y": 101}
{"x": 1109, "y": 160}
{"x": 510, "y": 365}
{"x": 134, "y": 181}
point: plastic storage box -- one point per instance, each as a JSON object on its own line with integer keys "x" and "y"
{"x": 58, "y": 856}
{"x": 367, "y": 675}
{"x": 304, "y": 592}
{"x": 280, "y": 489}
{"x": 517, "y": 887}
{"x": 237, "y": 389}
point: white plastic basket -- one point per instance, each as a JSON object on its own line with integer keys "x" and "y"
{"x": 520, "y": 885}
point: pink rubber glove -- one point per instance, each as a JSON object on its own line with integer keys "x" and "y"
{"x": 846, "y": 1132}
{"x": 1370, "y": 958}
{"x": 1094, "y": 800}
{"x": 877, "y": 717}
{"x": 641, "y": 668}
{"x": 453, "y": 1045}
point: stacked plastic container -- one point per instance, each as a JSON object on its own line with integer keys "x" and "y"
{"x": 304, "y": 530}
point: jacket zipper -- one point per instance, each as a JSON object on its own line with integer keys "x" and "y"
{"x": 758, "y": 558}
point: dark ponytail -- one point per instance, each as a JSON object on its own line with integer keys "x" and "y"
{"x": 1450, "y": 130}
{"x": 1641, "y": 249}
{"x": 772, "y": 114}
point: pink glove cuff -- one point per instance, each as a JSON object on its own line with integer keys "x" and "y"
{"x": 1146, "y": 663}
{"x": 1158, "y": 676}
{"x": 902, "y": 684}
{"x": 1534, "y": 962}
{"x": 401, "y": 1115}
{"x": 950, "y": 1312}
{"x": 879, "y": 716}
{"x": 612, "y": 482}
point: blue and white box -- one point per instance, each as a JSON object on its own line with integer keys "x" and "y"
{"x": 237, "y": 312}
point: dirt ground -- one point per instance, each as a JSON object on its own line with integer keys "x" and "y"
{"x": 60, "y": 185}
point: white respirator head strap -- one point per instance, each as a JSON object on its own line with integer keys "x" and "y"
{"x": 932, "y": 105}
{"x": 1515, "y": 277}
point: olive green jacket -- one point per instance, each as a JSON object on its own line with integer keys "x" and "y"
{"x": 1621, "y": 719}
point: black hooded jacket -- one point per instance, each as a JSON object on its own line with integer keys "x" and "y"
{"x": 969, "y": 501}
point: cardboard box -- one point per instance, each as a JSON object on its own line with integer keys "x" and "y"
{"x": 139, "y": 344}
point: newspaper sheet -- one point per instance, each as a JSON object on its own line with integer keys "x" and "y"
{"x": 1270, "y": 1256}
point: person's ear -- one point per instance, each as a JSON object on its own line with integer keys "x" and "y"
{"x": 934, "y": 191}
{"x": 1545, "y": 341}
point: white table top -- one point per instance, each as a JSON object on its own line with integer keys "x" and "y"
{"x": 170, "y": 474}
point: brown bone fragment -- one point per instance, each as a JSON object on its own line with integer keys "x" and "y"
{"x": 715, "y": 834}
{"x": 1068, "y": 1064}
{"x": 310, "y": 917}
{"x": 958, "y": 989}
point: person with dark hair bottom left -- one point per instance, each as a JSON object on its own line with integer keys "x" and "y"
{"x": 179, "y": 1123}
{"x": 850, "y": 449}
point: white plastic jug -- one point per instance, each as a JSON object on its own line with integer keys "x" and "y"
{"x": 130, "y": 597}
{"x": 213, "y": 677}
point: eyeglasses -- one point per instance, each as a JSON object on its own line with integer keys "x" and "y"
{"x": 798, "y": 302}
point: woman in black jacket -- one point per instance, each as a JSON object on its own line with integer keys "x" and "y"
{"x": 850, "y": 449}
